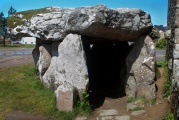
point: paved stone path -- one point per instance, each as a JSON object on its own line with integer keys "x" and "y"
{"x": 110, "y": 114}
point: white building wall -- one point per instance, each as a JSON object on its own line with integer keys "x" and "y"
{"x": 28, "y": 40}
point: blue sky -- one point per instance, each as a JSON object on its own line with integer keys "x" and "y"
{"x": 156, "y": 8}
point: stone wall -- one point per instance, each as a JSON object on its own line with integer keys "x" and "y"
{"x": 173, "y": 52}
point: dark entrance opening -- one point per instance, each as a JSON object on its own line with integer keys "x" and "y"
{"x": 106, "y": 61}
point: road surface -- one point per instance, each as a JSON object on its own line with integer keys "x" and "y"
{"x": 13, "y": 57}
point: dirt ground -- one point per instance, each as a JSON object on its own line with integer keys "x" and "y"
{"x": 157, "y": 111}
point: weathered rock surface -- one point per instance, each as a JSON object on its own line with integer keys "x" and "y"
{"x": 66, "y": 96}
{"x": 70, "y": 65}
{"x": 141, "y": 69}
{"x": 108, "y": 112}
{"x": 44, "y": 59}
{"x": 97, "y": 21}
{"x": 155, "y": 33}
{"x": 167, "y": 34}
{"x": 125, "y": 117}
{"x": 138, "y": 112}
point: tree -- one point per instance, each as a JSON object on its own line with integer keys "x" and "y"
{"x": 3, "y": 27}
{"x": 3, "y": 23}
{"x": 11, "y": 11}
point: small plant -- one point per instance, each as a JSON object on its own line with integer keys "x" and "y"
{"x": 137, "y": 109}
{"x": 162, "y": 63}
{"x": 141, "y": 98}
{"x": 138, "y": 99}
{"x": 84, "y": 102}
{"x": 130, "y": 99}
{"x": 169, "y": 116}
{"x": 83, "y": 106}
{"x": 167, "y": 86}
{"x": 152, "y": 101}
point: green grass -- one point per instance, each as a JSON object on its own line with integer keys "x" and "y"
{"x": 167, "y": 84}
{"x": 29, "y": 13}
{"x": 26, "y": 15}
{"x": 22, "y": 90}
{"x": 9, "y": 46}
{"x": 130, "y": 99}
{"x": 170, "y": 116}
{"x": 161, "y": 43}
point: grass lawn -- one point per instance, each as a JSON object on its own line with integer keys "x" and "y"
{"x": 22, "y": 90}
{"x": 14, "y": 46}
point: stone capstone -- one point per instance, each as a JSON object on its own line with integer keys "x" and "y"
{"x": 141, "y": 69}
{"x": 122, "y": 24}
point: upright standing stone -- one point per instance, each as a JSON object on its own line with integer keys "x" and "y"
{"x": 44, "y": 59}
{"x": 141, "y": 69}
{"x": 67, "y": 71}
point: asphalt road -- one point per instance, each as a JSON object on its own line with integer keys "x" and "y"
{"x": 13, "y": 57}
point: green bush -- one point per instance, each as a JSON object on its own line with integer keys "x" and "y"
{"x": 161, "y": 43}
